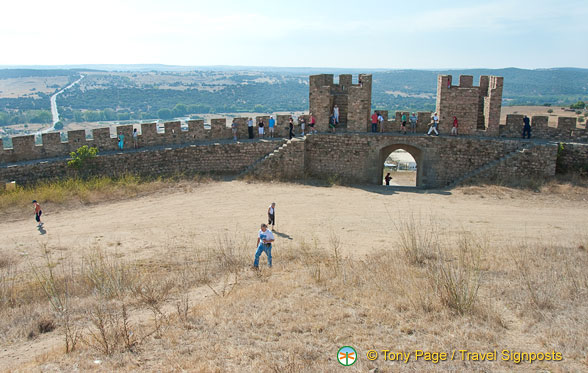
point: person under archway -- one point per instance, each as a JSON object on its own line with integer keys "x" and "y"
{"x": 388, "y": 178}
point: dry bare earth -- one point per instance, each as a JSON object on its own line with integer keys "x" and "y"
{"x": 18, "y": 87}
{"x": 178, "y": 263}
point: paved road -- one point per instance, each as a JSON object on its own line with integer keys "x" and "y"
{"x": 54, "y": 111}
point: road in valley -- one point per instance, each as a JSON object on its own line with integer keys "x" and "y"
{"x": 54, "y": 111}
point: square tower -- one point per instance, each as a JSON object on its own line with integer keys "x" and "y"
{"x": 353, "y": 100}
{"x": 476, "y": 108}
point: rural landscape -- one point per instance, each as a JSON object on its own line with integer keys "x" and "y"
{"x": 294, "y": 187}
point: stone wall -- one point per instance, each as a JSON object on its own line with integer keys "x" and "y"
{"x": 352, "y": 157}
{"x": 24, "y": 147}
{"x": 566, "y": 129}
{"x": 537, "y": 162}
{"x": 284, "y": 163}
{"x": 354, "y": 101}
{"x": 476, "y": 108}
{"x": 359, "y": 158}
{"x": 572, "y": 158}
{"x": 228, "y": 158}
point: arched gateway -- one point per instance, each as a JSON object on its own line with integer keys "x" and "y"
{"x": 414, "y": 151}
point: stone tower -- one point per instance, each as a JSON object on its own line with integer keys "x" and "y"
{"x": 354, "y": 101}
{"x": 476, "y": 108}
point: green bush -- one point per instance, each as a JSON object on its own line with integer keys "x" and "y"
{"x": 79, "y": 158}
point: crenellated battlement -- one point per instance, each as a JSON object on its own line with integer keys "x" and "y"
{"x": 566, "y": 128}
{"x": 24, "y": 148}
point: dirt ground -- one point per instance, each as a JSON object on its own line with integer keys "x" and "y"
{"x": 173, "y": 222}
{"x": 363, "y": 217}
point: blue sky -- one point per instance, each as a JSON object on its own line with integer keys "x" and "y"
{"x": 352, "y": 34}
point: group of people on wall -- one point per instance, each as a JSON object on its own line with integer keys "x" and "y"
{"x": 377, "y": 121}
{"x": 271, "y": 127}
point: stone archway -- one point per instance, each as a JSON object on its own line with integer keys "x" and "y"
{"x": 415, "y": 152}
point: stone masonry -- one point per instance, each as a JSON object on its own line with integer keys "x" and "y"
{"x": 476, "y": 108}
{"x": 354, "y": 100}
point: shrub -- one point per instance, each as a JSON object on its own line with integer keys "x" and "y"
{"x": 79, "y": 158}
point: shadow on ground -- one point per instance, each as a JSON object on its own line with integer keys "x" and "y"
{"x": 397, "y": 189}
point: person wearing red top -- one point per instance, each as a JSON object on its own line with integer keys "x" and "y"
{"x": 375, "y": 122}
{"x": 311, "y": 124}
{"x": 454, "y": 128}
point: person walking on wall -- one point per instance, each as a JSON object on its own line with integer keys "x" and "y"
{"x": 261, "y": 131}
{"x": 381, "y": 122}
{"x": 454, "y": 128}
{"x": 375, "y": 121}
{"x": 336, "y": 114}
{"x": 311, "y": 124}
{"x": 413, "y": 122}
{"x": 272, "y": 125}
{"x": 403, "y": 123}
{"x": 234, "y": 128}
{"x": 135, "y": 138}
{"x": 388, "y": 178}
{"x": 332, "y": 123}
{"x": 38, "y": 211}
{"x": 290, "y": 128}
{"x": 271, "y": 215}
{"x": 121, "y": 141}
{"x": 526, "y": 127}
{"x": 250, "y": 128}
{"x": 434, "y": 125}
{"x": 265, "y": 237}
{"x": 302, "y": 125}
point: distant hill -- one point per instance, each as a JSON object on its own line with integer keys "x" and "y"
{"x": 141, "y": 91}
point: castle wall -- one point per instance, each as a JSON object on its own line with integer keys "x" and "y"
{"x": 352, "y": 157}
{"x": 353, "y": 100}
{"x": 566, "y": 129}
{"x": 24, "y": 147}
{"x": 476, "y": 108}
{"x": 572, "y": 158}
{"x": 227, "y": 158}
{"x": 356, "y": 158}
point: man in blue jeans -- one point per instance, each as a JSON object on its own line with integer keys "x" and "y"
{"x": 265, "y": 238}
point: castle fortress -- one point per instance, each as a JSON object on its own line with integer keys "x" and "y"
{"x": 484, "y": 149}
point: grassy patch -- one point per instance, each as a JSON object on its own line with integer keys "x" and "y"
{"x": 93, "y": 190}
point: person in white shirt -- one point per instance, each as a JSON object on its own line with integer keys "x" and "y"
{"x": 434, "y": 125}
{"x": 381, "y": 122}
{"x": 265, "y": 237}
{"x": 336, "y": 114}
{"x": 271, "y": 215}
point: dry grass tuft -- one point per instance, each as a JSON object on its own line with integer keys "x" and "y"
{"x": 169, "y": 312}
